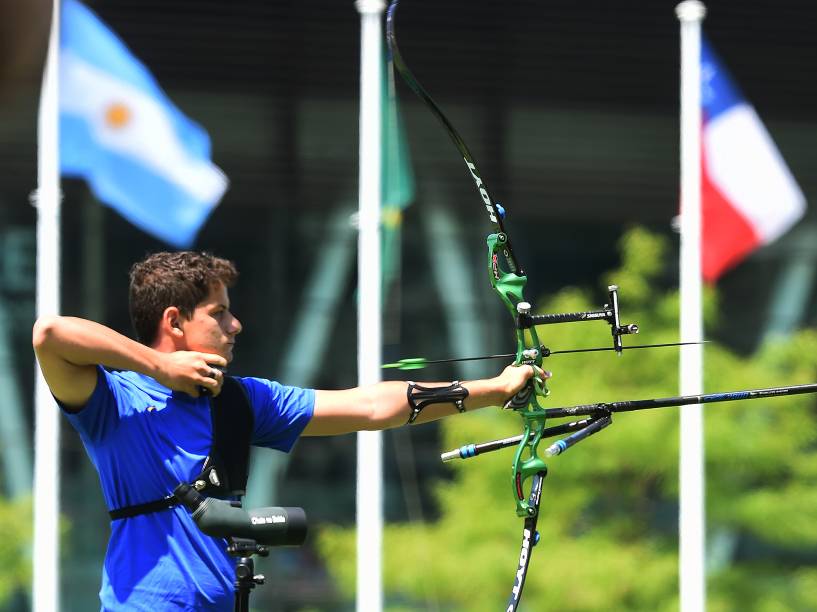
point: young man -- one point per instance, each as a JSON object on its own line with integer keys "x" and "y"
{"x": 143, "y": 413}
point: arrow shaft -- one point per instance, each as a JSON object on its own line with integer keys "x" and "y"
{"x": 680, "y": 400}
{"x": 419, "y": 362}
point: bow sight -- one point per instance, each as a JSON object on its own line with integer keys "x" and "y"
{"x": 609, "y": 312}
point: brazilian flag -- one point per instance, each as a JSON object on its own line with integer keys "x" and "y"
{"x": 397, "y": 180}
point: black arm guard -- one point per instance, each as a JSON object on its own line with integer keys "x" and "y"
{"x": 419, "y": 397}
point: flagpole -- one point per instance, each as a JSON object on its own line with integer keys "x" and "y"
{"x": 45, "y": 550}
{"x": 692, "y": 522}
{"x": 369, "y": 443}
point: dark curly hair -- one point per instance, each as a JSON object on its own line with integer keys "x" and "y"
{"x": 182, "y": 279}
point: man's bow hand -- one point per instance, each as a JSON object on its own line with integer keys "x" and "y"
{"x": 514, "y": 379}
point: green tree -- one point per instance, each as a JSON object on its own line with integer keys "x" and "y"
{"x": 15, "y": 560}
{"x": 608, "y": 520}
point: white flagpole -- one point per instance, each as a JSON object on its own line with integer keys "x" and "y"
{"x": 45, "y": 586}
{"x": 692, "y": 522}
{"x": 369, "y": 443}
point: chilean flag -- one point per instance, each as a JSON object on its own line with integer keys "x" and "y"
{"x": 749, "y": 196}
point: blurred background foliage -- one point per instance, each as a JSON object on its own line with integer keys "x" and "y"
{"x": 608, "y": 520}
{"x": 15, "y": 547}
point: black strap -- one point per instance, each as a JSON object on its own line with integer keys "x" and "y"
{"x": 233, "y": 420}
{"x": 137, "y": 509}
{"x": 226, "y": 468}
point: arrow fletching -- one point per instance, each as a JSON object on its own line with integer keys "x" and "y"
{"x": 418, "y": 363}
{"x": 411, "y": 363}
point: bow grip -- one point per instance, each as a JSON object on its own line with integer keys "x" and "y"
{"x": 526, "y": 462}
{"x": 522, "y": 398}
{"x": 523, "y": 471}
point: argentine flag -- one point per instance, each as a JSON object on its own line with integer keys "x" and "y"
{"x": 121, "y": 133}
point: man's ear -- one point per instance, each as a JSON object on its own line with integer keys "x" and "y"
{"x": 172, "y": 321}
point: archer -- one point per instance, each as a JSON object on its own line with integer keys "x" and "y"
{"x": 141, "y": 410}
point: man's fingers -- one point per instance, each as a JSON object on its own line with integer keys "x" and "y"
{"x": 214, "y": 360}
{"x": 209, "y": 370}
{"x": 539, "y": 373}
{"x": 196, "y": 373}
{"x": 211, "y": 382}
{"x": 208, "y": 388}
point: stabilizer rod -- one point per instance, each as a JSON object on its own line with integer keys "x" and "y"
{"x": 597, "y": 414}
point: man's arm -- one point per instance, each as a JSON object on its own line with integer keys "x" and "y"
{"x": 68, "y": 350}
{"x": 386, "y": 404}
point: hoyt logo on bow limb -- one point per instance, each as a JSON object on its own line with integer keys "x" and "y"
{"x": 520, "y": 572}
{"x": 482, "y": 191}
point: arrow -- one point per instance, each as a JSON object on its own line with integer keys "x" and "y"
{"x": 418, "y": 363}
